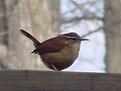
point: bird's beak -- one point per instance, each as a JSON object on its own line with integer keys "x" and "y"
{"x": 84, "y": 39}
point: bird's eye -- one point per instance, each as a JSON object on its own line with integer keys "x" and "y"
{"x": 73, "y": 38}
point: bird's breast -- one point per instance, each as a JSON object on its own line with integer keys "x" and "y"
{"x": 62, "y": 59}
{"x": 69, "y": 53}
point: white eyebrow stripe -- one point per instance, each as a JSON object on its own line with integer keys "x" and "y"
{"x": 70, "y": 37}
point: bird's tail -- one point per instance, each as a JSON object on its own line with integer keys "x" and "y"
{"x": 35, "y": 41}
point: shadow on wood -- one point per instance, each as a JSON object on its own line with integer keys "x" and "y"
{"x": 58, "y": 81}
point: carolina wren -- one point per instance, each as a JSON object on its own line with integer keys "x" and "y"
{"x": 59, "y": 52}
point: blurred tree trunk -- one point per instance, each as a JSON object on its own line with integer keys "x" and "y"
{"x": 3, "y": 34}
{"x": 113, "y": 35}
{"x": 41, "y": 18}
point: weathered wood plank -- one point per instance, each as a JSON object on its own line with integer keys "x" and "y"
{"x": 58, "y": 81}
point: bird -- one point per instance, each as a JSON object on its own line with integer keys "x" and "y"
{"x": 59, "y": 52}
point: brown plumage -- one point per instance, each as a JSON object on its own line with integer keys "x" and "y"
{"x": 59, "y": 52}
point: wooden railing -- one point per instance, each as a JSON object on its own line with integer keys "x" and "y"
{"x": 58, "y": 81}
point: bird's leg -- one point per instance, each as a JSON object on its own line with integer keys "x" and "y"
{"x": 54, "y": 67}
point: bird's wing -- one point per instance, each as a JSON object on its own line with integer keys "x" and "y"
{"x": 51, "y": 45}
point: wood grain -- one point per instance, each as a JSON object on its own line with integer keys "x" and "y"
{"x": 58, "y": 81}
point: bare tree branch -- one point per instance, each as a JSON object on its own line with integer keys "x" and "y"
{"x": 102, "y": 28}
{"x": 79, "y": 6}
{"x": 77, "y": 19}
{"x": 91, "y": 32}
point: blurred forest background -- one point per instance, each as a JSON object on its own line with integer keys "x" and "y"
{"x": 48, "y": 18}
